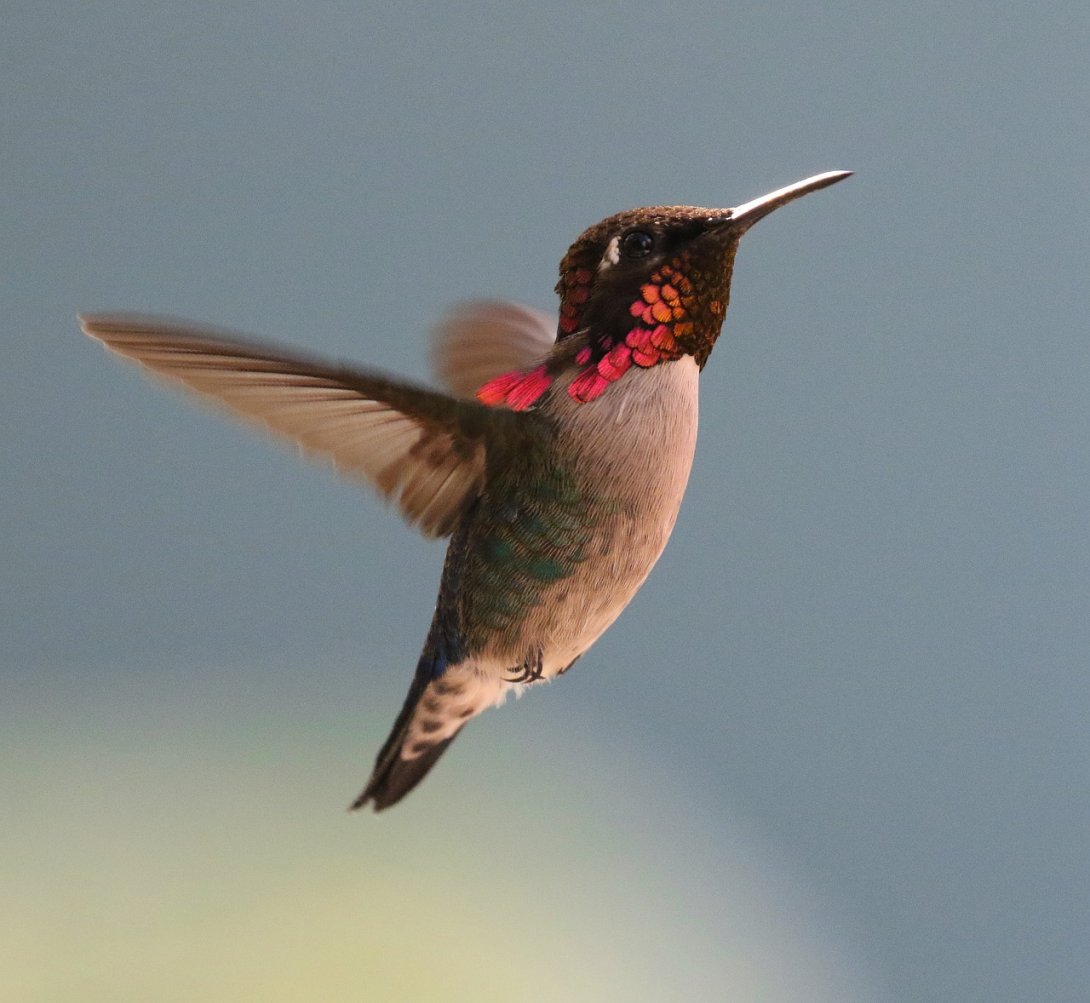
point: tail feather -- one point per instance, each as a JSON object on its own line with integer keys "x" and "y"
{"x": 394, "y": 777}
{"x": 435, "y": 710}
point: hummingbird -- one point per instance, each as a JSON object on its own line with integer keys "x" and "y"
{"x": 555, "y": 458}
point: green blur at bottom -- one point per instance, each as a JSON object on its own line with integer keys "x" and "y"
{"x": 185, "y": 838}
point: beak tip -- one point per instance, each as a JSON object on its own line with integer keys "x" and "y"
{"x": 748, "y": 213}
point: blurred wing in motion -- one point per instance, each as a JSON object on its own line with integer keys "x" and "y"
{"x": 477, "y": 341}
{"x": 420, "y": 449}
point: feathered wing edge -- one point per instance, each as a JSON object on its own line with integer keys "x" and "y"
{"x": 419, "y": 448}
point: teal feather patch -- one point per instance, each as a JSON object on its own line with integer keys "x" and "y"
{"x": 530, "y": 530}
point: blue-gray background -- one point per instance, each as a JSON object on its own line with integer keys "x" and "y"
{"x": 836, "y": 748}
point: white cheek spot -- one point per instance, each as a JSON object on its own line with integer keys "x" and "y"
{"x": 612, "y": 255}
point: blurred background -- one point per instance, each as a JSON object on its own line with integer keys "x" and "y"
{"x": 837, "y": 747}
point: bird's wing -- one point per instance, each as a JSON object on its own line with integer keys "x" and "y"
{"x": 477, "y": 341}
{"x": 421, "y": 449}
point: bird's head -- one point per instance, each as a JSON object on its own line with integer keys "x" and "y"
{"x": 657, "y": 280}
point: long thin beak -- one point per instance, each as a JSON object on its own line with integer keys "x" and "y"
{"x": 745, "y": 215}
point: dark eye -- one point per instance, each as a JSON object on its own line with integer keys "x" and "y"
{"x": 637, "y": 244}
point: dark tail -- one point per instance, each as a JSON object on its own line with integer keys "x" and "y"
{"x": 394, "y": 776}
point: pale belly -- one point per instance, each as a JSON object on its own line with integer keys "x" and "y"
{"x": 636, "y": 447}
{"x": 636, "y": 451}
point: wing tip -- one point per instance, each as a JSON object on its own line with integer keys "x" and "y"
{"x": 107, "y": 325}
{"x": 89, "y": 324}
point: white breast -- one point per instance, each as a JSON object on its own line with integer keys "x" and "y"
{"x": 638, "y": 438}
{"x": 634, "y": 450}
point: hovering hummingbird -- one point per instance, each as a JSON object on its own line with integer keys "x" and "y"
{"x": 556, "y": 462}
